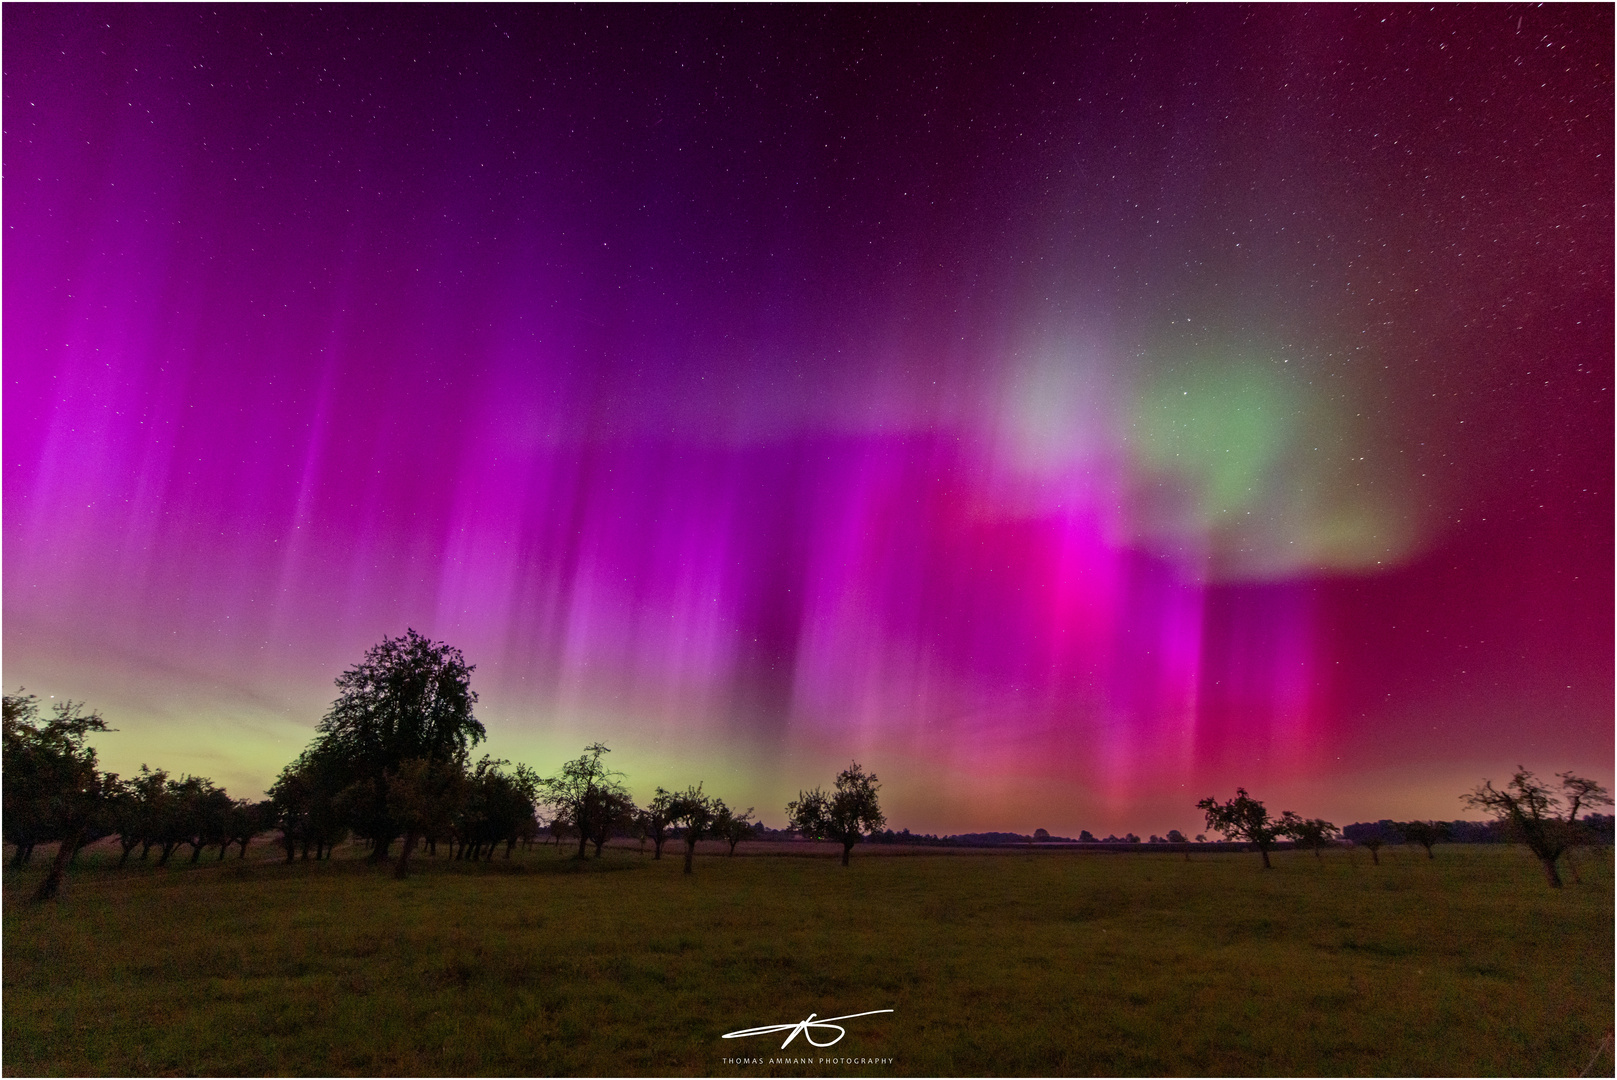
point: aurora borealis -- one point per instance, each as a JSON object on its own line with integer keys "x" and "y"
{"x": 1066, "y": 412}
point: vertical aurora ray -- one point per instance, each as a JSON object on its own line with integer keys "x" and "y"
{"x": 1062, "y": 445}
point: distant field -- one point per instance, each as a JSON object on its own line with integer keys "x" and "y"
{"x": 1015, "y": 962}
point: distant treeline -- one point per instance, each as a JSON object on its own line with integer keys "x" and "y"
{"x": 1599, "y": 826}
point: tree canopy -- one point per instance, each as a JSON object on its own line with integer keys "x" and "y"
{"x": 409, "y": 699}
{"x": 52, "y": 789}
{"x": 1245, "y": 818}
{"x": 585, "y": 792}
{"x": 845, "y": 814}
{"x": 1532, "y": 813}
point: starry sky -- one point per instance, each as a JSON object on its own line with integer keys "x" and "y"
{"x": 1068, "y": 413}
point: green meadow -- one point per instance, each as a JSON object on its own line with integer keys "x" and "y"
{"x": 1036, "y": 962}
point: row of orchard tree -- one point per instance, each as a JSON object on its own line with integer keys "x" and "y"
{"x": 1526, "y": 810}
{"x": 390, "y": 765}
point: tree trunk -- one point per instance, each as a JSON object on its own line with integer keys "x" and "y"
{"x": 168, "y": 849}
{"x": 657, "y": 850}
{"x": 403, "y": 869}
{"x": 690, "y": 849}
{"x": 53, "y": 880}
{"x": 583, "y": 843}
{"x": 1551, "y": 873}
{"x": 1374, "y": 857}
{"x": 290, "y": 842}
{"x": 1265, "y": 853}
{"x": 846, "y": 850}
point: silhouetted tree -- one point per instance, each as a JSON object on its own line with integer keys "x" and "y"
{"x": 615, "y": 814}
{"x": 410, "y": 698}
{"x": 304, "y": 804}
{"x": 203, "y": 814}
{"x": 732, "y": 827}
{"x": 1531, "y": 812}
{"x": 50, "y": 779}
{"x": 1313, "y": 833}
{"x": 584, "y": 792}
{"x": 1373, "y": 835}
{"x": 247, "y": 820}
{"x": 423, "y": 797}
{"x": 695, "y": 813}
{"x": 655, "y": 818}
{"x": 499, "y": 808}
{"x": 1243, "y": 818}
{"x": 1424, "y": 833}
{"x": 845, "y": 814}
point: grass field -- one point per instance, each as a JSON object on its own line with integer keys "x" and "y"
{"x": 995, "y": 964}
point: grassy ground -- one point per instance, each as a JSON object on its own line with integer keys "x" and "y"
{"x": 1036, "y": 963}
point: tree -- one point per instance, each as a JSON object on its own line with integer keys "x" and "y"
{"x": 410, "y": 698}
{"x": 1530, "y": 812}
{"x": 1313, "y": 833}
{"x": 655, "y": 818}
{"x": 845, "y": 814}
{"x": 203, "y": 814}
{"x": 584, "y": 792}
{"x": 423, "y": 796}
{"x": 695, "y": 814}
{"x": 499, "y": 809}
{"x": 1424, "y": 833}
{"x": 1244, "y": 818}
{"x": 732, "y": 827}
{"x": 51, "y": 782}
{"x": 305, "y": 806}
{"x": 615, "y": 812}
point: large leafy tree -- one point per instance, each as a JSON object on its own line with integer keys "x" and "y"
{"x": 409, "y": 699}
{"x": 1536, "y": 815}
{"x": 51, "y": 784}
{"x": 1245, "y": 818}
{"x": 845, "y": 814}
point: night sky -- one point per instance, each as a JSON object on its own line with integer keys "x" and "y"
{"x": 1067, "y": 413}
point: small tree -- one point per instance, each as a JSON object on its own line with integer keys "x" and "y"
{"x": 732, "y": 827}
{"x": 695, "y": 814}
{"x": 1530, "y": 812}
{"x": 1244, "y": 818}
{"x": 585, "y": 792}
{"x": 1424, "y": 833}
{"x": 844, "y": 815}
{"x": 1313, "y": 833}
{"x": 655, "y": 818}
